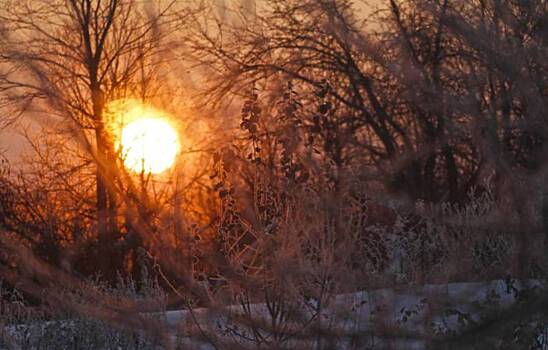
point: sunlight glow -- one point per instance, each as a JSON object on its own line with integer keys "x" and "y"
{"x": 149, "y": 145}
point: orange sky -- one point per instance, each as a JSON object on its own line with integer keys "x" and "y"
{"x": 12, "y": 144}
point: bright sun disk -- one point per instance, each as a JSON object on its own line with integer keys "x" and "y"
{"x": 149, "y": 145}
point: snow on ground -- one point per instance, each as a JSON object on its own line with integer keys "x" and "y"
{"x": 417, "y": 312}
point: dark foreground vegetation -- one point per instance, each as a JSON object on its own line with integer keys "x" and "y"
{"x": 328, "y": 147}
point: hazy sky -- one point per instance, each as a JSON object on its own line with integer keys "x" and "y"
{"x": 12, "y": 143}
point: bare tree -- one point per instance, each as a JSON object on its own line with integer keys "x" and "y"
{"x": 66, "y": 60}
{"x": 396, "y": 98}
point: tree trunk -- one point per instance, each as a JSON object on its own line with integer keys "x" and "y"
{"x": 109, "y": 261}
{"x": 101, "y": 189}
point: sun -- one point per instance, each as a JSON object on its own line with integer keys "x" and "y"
{"x": 148, "y": 144}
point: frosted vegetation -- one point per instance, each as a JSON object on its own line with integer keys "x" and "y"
{"x": 343, "y": 181}
{"x": 296, "y": 311}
